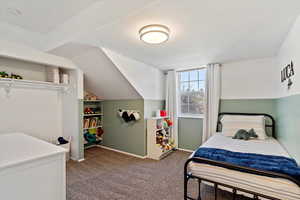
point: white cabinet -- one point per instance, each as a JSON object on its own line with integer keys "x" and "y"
{"x": 31, "y": 169}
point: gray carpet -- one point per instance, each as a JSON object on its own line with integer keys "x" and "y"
{"x": 107, "y": 175}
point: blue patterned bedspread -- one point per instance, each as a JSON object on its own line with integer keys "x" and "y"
{"x": 270, "y": 163}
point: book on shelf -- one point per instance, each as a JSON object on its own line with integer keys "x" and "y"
{"x": 91, "y": 122}
{"x": 86, "y": 123}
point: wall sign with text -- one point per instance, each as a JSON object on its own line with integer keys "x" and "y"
{"x": 286, "y": 74}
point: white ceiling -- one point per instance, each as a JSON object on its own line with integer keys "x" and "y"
{"x": 40, "y": 15}
{"x": 202, "y": 31}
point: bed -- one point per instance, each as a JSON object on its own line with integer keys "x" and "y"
{"x": 249, "y": 182}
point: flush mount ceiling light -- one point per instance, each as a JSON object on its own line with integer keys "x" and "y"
{"x": 154, "y": 34}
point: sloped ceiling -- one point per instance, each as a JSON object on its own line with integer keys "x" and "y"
{"x": 202, "y": 31}
{"x": 101, "y": 76}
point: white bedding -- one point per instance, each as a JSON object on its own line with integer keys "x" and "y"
{"x": 275, "y": 187}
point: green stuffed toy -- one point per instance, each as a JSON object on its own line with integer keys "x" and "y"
{"x": 245, "y": 135}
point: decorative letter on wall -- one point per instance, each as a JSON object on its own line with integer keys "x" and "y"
{"x": 286, "y": 74}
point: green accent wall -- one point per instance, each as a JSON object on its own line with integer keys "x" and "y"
{"x": 285, "y": 111}
{"x": 288, "y": 124}
{"x": 190, "y": 133}
{"x": 128, "y": 137}
{"x": 267, "y": 106}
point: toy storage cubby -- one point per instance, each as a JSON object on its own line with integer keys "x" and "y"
{"x": 92, "y": 123}
{"x": 159, "y": 138}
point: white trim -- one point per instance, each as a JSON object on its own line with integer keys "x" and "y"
{"x": 192, "y": 116}
{"x": 123, "y": 152}
{"x": 186, "y": 150}
{"x": 248, "y": 98}
{"x": 80, "y": 160}
{"x": 190, "y": 68}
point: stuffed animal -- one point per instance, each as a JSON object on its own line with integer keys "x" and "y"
{"x": 100, "y": 132}
{"x": 129, "y": 115}
{"x": 245, "y": 135}
{"x": 169, "y": 122}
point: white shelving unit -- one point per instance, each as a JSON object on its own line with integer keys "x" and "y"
{"x": 32, "y": 65}
{"x": 158, "y": 138}
{"x": 98, "y": 105}
{"x": 9, "y": 84}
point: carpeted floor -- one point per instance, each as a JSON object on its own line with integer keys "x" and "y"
{"x": 107, "y": 175}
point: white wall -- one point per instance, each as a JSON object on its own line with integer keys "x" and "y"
{"x": 250, "y": 79}
{"x": 147, "y": 80}
{"x": 101, "y": 76}
{"x": 31, "y": 111}
{"x": 290, "y": 51}
{"x": 26, "y": 53}
{"x": 29, "y": 71}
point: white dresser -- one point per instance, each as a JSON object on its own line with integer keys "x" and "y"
{"x": 31, "y": 169}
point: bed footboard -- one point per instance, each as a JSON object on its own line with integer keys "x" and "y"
{"x": 188, "y": 175}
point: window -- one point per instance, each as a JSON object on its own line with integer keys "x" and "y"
{"x": 191, "y": 92}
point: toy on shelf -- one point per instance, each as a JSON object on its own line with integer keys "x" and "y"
{"x": 93, "y": 136}
{"x": 163, "y": 139}
{"x": 4, "y": 75}
{"x": 15, "y": 76}
{"x": 90, "y": 96}
{"x": 169, "y": 122}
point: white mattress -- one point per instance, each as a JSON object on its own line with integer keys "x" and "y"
{"x": 274, "y": 187}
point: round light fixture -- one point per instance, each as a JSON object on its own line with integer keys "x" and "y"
{"x": 154, "y": 34}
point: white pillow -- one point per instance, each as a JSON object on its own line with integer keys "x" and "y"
{"x": 232, "y": 123}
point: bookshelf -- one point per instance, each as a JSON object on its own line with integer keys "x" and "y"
{"x": 92, "y": 122}
{"x": 159, "y": 138}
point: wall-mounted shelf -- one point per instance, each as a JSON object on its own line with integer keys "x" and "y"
{"x": 92, "y": 127}
{"x": 89, "y": 115}
{"x": 92, "y": 101}
{"x": 166, "y": 117}
{"x": 9, "y": 83}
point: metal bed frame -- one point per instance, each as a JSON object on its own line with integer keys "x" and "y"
{"x": 188, "y": 175}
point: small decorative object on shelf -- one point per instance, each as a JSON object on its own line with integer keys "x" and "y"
{"x": 161, "y": 113}
{"x": 90, "y": 96}
{"x": 4, "y": 75}
{"x": 12, "y": 76}
{"x": 15, "y": 76}
{"x": 159, "y": 137}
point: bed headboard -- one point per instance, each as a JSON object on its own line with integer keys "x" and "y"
{"x": 270, "y": 122}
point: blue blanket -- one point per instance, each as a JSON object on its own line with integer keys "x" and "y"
{"x": 270, "y": 163}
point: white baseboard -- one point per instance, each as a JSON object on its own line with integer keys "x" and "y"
{"x": 187, "y": 150}
{"x": 80, "y": 160}
{"x": 123, "y": 152}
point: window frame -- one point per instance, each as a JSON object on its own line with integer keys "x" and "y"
{"x": 188, "y": 115}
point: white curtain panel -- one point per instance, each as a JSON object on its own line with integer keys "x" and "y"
{"x": 212, "y": 100}
{"x": 172, "y": 103}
